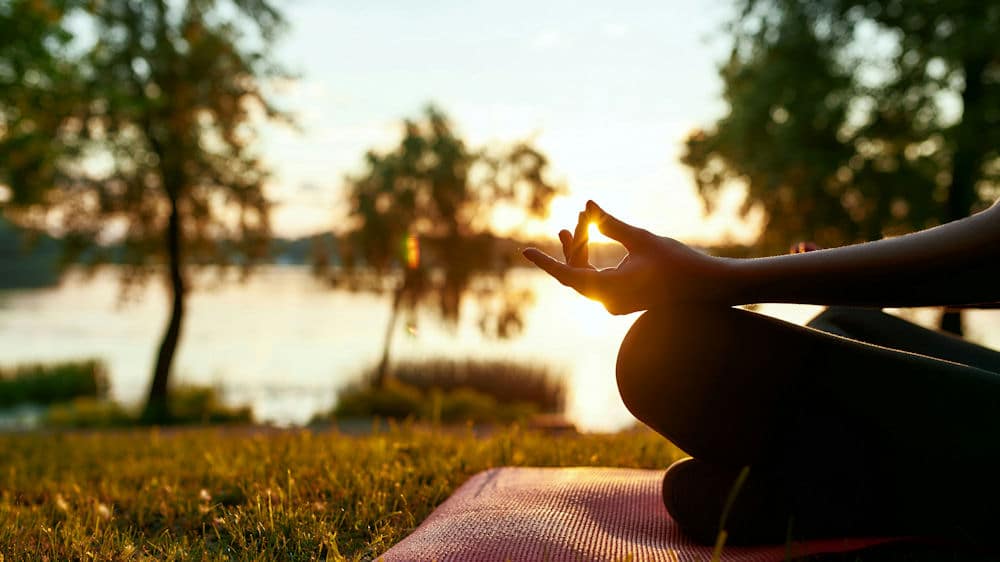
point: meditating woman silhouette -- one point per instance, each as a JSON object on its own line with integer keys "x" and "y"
{"x": 860, "y": 424}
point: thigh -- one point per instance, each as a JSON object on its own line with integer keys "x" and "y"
{"x": 901, "y": 442}
{"x": 712, "y": 380}
{"x": 871, "y": 325}
{"x": 860, "y": 430}
{"x": 727, "y": 385}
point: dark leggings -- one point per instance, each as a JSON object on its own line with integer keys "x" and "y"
{"x": 841, "y": 437}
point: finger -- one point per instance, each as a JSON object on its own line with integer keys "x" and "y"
{"x": 567, "y": 244}
{"x": 611, "y": 227}
{"x": 583, "y": 280}
{"x": 581, "y": 253}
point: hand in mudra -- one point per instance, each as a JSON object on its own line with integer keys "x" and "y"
{"x": 657, "y": 271}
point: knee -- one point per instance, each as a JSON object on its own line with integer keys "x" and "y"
{"x": 704, "y": 378}
{"x": 643, "y": 360}
{"x": 668, "y": 362}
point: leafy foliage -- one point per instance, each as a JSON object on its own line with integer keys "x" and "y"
{"x": 40, "y": 87}
{"x": 420, "y": 218}
{"x": 163, "y": 110}
{"x": 504, "y": 380}
{"x": 52, "y": 383}
{"x": 854, "y": 119}
{"x": 456, "y": 391}
{"x": 143, "y": 136}
{"x": 189, "y": 405}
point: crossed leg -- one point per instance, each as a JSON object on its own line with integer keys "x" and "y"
{"x": 840, "y": 437}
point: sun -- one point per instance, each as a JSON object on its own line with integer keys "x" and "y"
{"x": 563, "y": 214}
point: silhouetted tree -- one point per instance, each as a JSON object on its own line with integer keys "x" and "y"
{"x": 154, "y": 150}
{"x": 421, "y": 224}
{"x": 850, "y": 120}
{"x": 39, "y": 86}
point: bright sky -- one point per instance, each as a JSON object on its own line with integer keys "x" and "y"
{"x": 608, "y": 93}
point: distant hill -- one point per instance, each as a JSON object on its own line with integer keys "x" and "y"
{"x": 305, "y": 250}
{"x": 302, "y": 251}
{"x": 27, "y": 261}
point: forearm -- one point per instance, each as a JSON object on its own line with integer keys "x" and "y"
{"x": 954, "y": 264}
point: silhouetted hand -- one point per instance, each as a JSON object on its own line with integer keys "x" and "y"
{"x": 657, "y": 271}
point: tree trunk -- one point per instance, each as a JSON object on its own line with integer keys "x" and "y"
{"x": 966, "y": 162}
{"x": 157, "y": 407}
{"x": 382, "y": 373}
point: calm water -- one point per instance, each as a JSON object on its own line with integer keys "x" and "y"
{"x": 284, "y": 343}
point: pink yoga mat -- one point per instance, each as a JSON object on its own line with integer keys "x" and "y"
{"x": 572, "y": 514}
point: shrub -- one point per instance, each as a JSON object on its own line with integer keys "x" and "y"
{"x": 507, "y": 382}
{"x": 53, "y": 383}
{"x": 394, "y": 400}
{"x": 466, "y": 404}
{"x": 88, "y": 413}
{"x": 455, "y": 391}
{"x": 190, "y": 404}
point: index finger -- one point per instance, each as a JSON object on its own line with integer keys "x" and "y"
{"x": 611, "y": 227}
{"x": 584, "y": 280}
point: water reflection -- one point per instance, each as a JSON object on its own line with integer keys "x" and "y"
{"x": 284, "y": 343}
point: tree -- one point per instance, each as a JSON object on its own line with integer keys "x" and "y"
{"x": 420, "y": 224}
{"x": 155, "y": 152}
{"x": 851, "y": 120}
{"x": 39, "y": 87}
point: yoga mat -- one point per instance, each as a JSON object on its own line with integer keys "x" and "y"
{"x": 572, "y": 514}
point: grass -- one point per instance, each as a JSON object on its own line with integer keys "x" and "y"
{"x": 254, "y": 494}
{"x": 257, "y": 494}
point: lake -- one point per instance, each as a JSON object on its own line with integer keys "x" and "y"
{"x": 284, "y": 343}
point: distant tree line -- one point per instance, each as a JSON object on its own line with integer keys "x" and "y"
{"x": 27, "y": 260}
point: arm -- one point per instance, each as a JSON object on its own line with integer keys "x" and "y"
{"x": 953, "y": 264}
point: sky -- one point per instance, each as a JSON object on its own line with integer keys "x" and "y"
{"x": 607, "y": 91}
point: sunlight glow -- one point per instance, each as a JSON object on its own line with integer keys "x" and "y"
{"x": 590, "y": 316}
{"x": 595, "y": 234}
{"x": 412, "y": 251}
{"x": 564, "y": 213}
{"x": 611, "y": 127}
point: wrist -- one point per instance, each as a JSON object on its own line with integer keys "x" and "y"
{"x": 738, "y": 282}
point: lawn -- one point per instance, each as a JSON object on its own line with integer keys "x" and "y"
{"x": 249, "y": 494}
{"x": 259, "y": 494}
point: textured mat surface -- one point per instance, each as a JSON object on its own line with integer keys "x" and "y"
{"x": 578, "y": 514}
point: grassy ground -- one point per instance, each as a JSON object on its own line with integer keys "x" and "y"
{"x": 252, "y": 494}
{"x": 214, "y": 493}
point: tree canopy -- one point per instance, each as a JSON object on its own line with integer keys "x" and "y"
{"x": 850, "y": 120}
{"x": 421, "y": 215}
{"x": 133, "y": 122}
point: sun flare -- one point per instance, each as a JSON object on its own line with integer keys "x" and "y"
{"x": 564, "y": 213}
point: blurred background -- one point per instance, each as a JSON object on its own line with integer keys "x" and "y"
{"x": 305, "y": 211}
